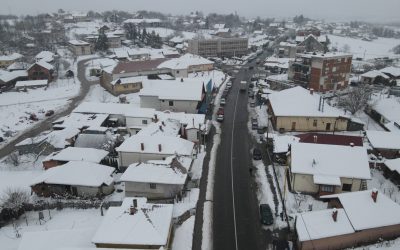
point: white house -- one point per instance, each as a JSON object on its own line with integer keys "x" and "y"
{"x": 74, "y": 154}
{"x": 77, "y": 178}
{"x": 183, "y": 95}
{"x": 80, "y": 48}
{"x": 45, "y": 56}
{"x": 144, "y": 148}
{"x": 157, "y": 179}
{"x": 357, "y": 218}
{"x": 326, "y": 169}
{"x": 187, "y": 63}
{"x": 135, "y": 225}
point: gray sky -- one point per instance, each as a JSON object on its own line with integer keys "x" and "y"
{"x": 371, "y": 10}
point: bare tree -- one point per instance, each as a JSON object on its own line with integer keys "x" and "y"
{"x": 14, "y": 158}
{"x": 13, "y": 201}
{"x": 356, "y": 99}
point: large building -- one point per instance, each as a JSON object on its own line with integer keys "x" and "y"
{"x": 219, "y": 47}
{"x": 321, "y": 72}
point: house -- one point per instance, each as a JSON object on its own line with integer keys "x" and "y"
{"x": 76, "y": 178}
{"x": 9, "y": 78}
{"x": 136, "y": 224}
{"x": 126, "y": 85}
{"x": 221, "y": 47}
{"x": 80, "y": 121}
{"x": 74, "y": 154}
{"x": 114, "y": 41}
{"x": 7, "y": 60}
{"x": 79, "y": 48}
{"x": 277, "y": 65}
{"x": 41, "y": 70}
{"x": 288, "y": 50}
{"x": 298, "y": 109}
{"x": 45, "y": 56}
{"x": 157, "y": 179}
{"x": 18, "y": 66}
{"x": 392, "y": 72}
{"x": 357, "y": 218}
{"x": 387, "y": 112}
{"x": 144, "y": 148}
{"x": 184, "y": 95}
{"x": 374, "y": 77}
{"x": 311, "y": 43}
{"x": 33, "y": 84}
{"x": 100, "y": 140}
{"x": 321, "y": 72}
{"x": 386, "y": 144}
{"x": 187, "y": 63}
{"x": 391, "y": 170}
{"x": 326, "y": 169}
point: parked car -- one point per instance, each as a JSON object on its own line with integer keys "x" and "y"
{"x": 251, "y": 85}
{"x": 225, "y": 93}
{"x": 261, "y": 130}
{"x": 254, "y": 123}
{"x": 223, "y": 101}
{"x": 220, "y": 111}
{"x": 251, "y": 93}
{"x": 252, "y": 103}
{"x": 33, "y": 117}
{"x": 251, "y": 67}
{"x": 266, "y": 215}
{"x": 229, "y": 84}
{"x": 257, "y": 154}
{"x": 1, "y": 139}
{"x": 49, "y": 113}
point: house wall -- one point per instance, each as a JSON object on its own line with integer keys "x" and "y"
{"x": 48, "y": 190}
{"x": 6, "y": 63}
{"x": 192, "y": 135}
{"x": 80, "y": 50}
{"x": 162, "y": 191}
{"x": 37, "y": 72}
{"x": 180, "y": 73}
{"x": 127, "y": 158}
{"x": 137, "y": 123}
{"x": 350, "y": 240}
{"x": 150, "y": 102}
{"x": 306, "y": 123}
{"x": 179, "y": 106}
{"x": 126, "y": 88}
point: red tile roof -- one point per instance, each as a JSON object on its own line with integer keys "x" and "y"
{"x": 126, "y": 67}
{"x": 343, "y": 140}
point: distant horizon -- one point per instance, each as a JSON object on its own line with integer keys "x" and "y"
{"x": 342, "y": 11}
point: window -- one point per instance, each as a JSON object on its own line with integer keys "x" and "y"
{"x": 328, "y": 189}
{"x": 346, "y": 187}
{"x": 144, "y": 121}
{"x": 171, "y": 103}
{"x": 125, "y": 86}
{"x": 315, "y": 123}
{"x": 153, "y": 186}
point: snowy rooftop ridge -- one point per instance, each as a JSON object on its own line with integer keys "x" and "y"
{"x": 78, "y": 154}
{"x": 185, "y": 61}
{"x": 149, "y": 225}
{"x": 384, "y": 140}
{"x": 114, "y": 108}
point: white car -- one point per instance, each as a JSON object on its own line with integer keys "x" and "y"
{"x": 222, "y": 102}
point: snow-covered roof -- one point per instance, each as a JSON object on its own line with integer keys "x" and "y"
{"x": 7, "y": 76}
{"x": 389, "y": 108}
{"x": 189, "y": 120}
{"x": 162, "y": 172}
{"x": 78, "y": 154}
{"x": 393, "y": 165}
{"x": 394, "y": 71}
{"x": 46, "y": 56}
{"x": 12, "y": 57}
{"x": 329, "y": 161}
{"x": 374, "y": 74}
{"x": 31, "y": 83}
{"x": 301, "y": 39}
{"x": 219, "y": 26}
{"x": 169, "y": 145}
{"x": 282, "y": 142}
{"x": 80, "y": 121}
{"x": 185, "y": 61}
{"x": 127, "y": 80}
{"x": 315, "y": 225}
{"x": 78, "y": 43}
{"x": 277, "y": 62}
{"x": 55, "y": 239}
{"x": 190, "y": 89}
{"x": 364, "y": 213}
{"x": 168, "y": 127}
{"x": 298, "y": 101}
{"x": 328, "y": 55}
{"x": 384, "y": 140}
{"x": 77, "y": 173}
{"x": 43, "y": 64}
{"x": 144, "y": 20}
{"x": 149, "y": 225}
{"x": 114, "y": 109}
{"x": 58, "y": 138}
{"x": 18, "y": 66}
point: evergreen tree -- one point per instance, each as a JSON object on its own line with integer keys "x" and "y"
{"x": 144, "y": 35}
{"x": 101, "y": 42}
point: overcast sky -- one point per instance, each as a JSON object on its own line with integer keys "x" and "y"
{"x": 371, "y": 10}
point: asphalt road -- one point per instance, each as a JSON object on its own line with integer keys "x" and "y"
{"x": 46, "y": 124}
{"x": 236, "y": 221}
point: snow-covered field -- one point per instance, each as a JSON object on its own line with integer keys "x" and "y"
{"x": 380, "y": 47}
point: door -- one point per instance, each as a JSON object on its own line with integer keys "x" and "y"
{"x": 293, "y": 126}
{"x": 328, "y": 126}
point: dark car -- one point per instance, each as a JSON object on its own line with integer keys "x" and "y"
{"x": 254, "y": 123}
{"x": 261, "y": 130}
{"x": 257, "y": 154}
{"x": 1, "y": 139}
{"x": 266, "y": 216}
{"x": 251, "y": 94}
{"x": 251, "y": 85}
{"x": 49, "y": 113}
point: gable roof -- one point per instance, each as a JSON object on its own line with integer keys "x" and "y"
{"x": 374, "y": 74}
{"x": 394, "y": 71}
{"x": 384, "y": 140}
{"x": 298, "y": 101}
{"x": 393, "y": 164}
{"x": 78, "y": 154}
{"x": 389, "y": 108}
{"x": 114, "y": 109}
{"x": 42, "y": 64}
{"x": 329, "y": 160}
{"x": 149, "y": 225}
{"x": 133, "y": 66}
{"x": 185, "y": 61}
{"x": 77, "y": 173}
{"x": 319, "y": 138}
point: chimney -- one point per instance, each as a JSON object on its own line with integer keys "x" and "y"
{"x": 142, "y": 146}
{"x": 156, "y": 118}
{"x": 315, "y": 138}
{"x": 351, "y": 144}
{"x": 132, "y": 210}
{"x": 334, "y": 214}
{"x": 311, "y": 91}
{"x": 374, "y": 194}
{"x": 159, "y": 148}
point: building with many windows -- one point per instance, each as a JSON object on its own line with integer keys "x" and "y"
{"x": 219, "y": 47}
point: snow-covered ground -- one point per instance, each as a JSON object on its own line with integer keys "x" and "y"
{"x": 380, "y": 47}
